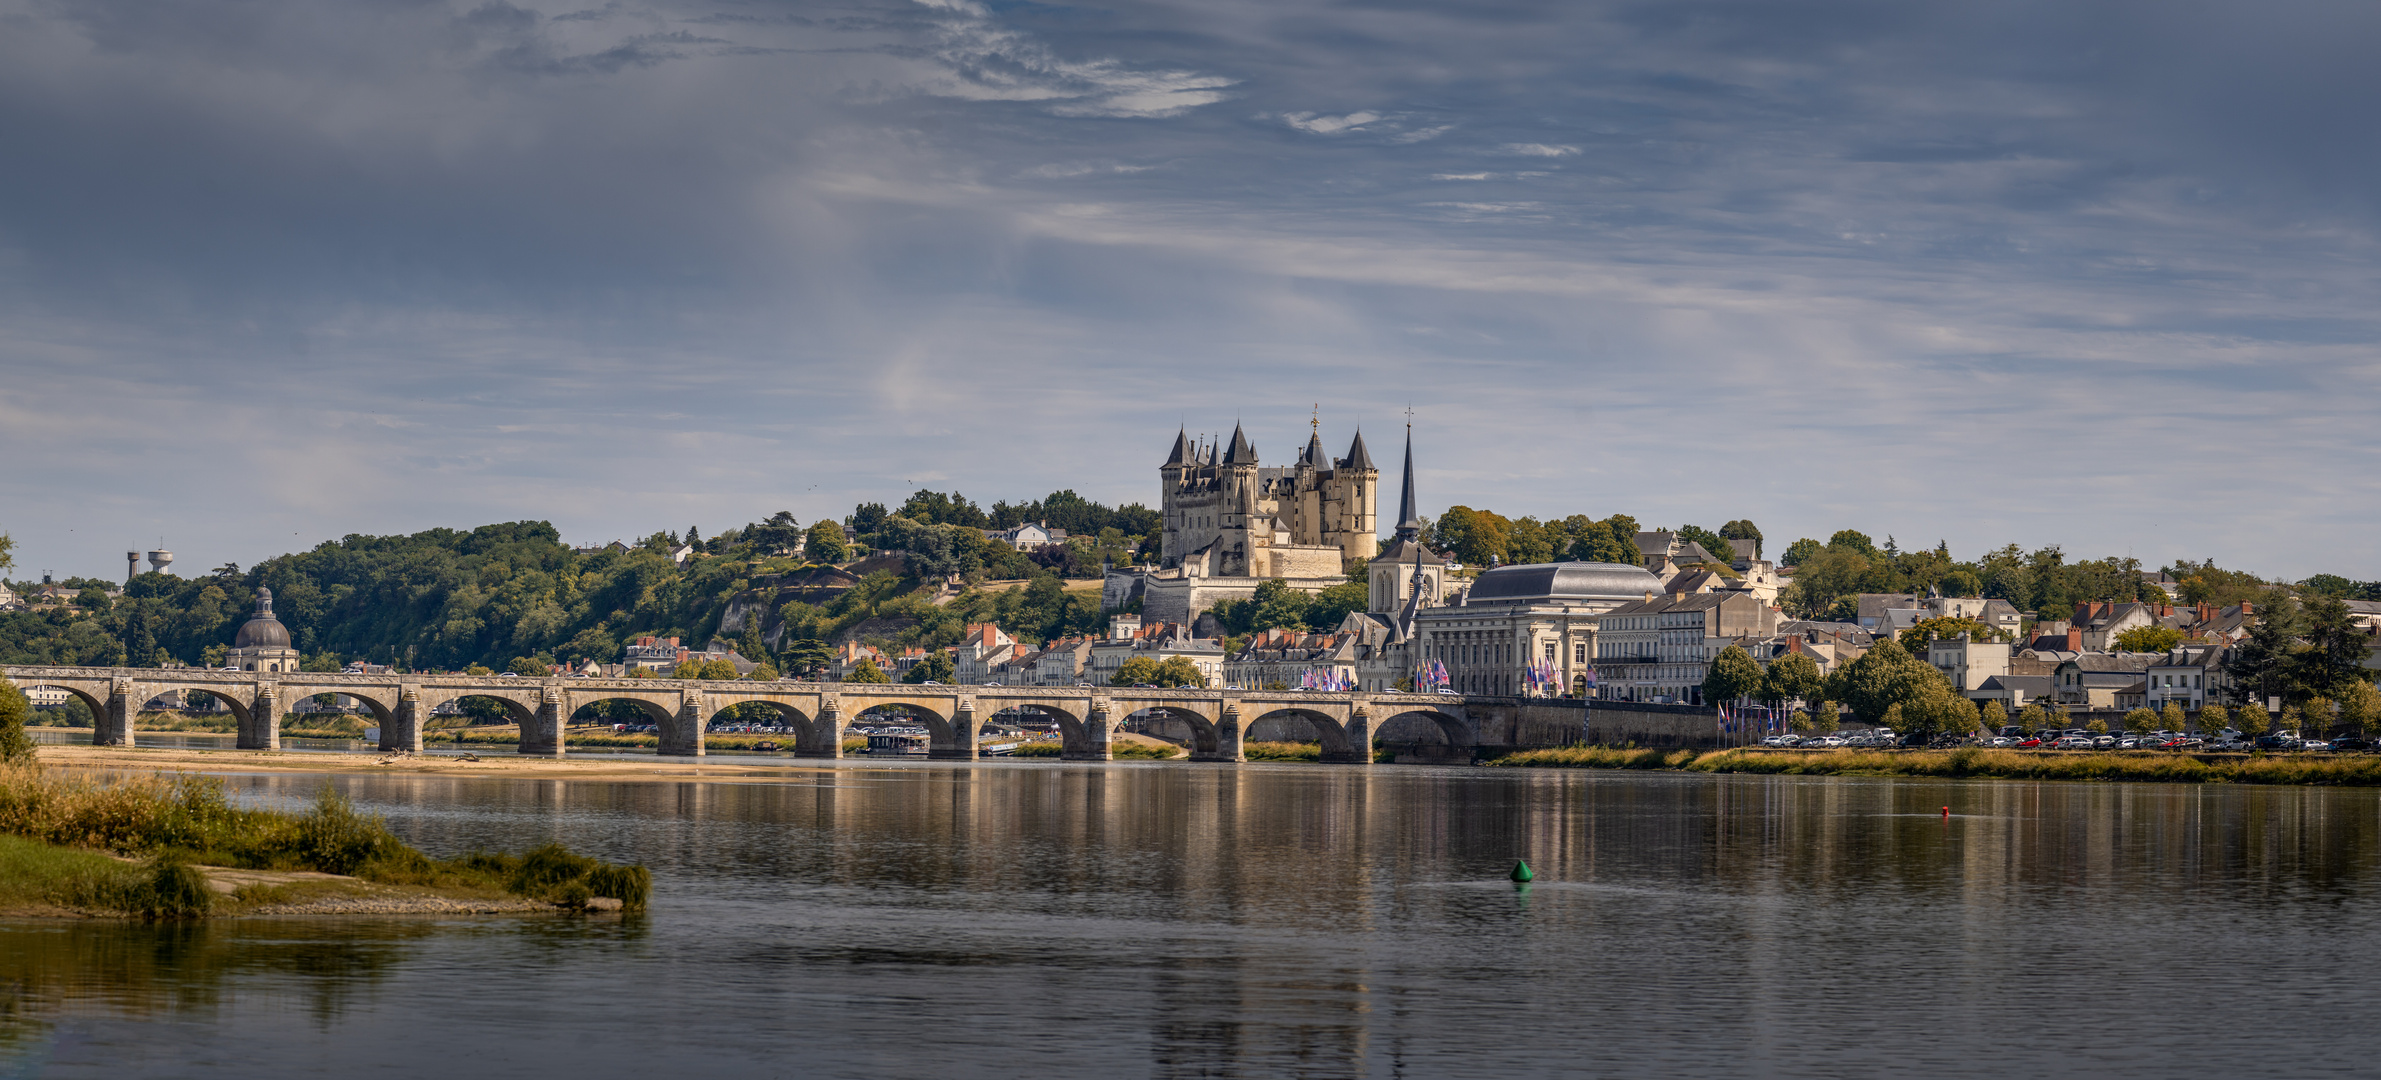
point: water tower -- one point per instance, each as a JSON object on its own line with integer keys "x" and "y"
{"x": 132, "y": 566}
{"x": 159, "y": 560}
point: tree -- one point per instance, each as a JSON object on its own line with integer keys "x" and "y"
{"x": 2260, "y": 664}
{"x": 478, "y": 669}
{"x": 1798, "y": 551}
{"x": 2213, "y": 718}
{"x": 807, "y": 656}
{"x": 1884, "y": 676}
{"x": 2150, "y": 639}
{"x": 2097, "y": 726}
{"x": 529, "y": 668}
{"x": 1710, "y": 541}
{"x": 325, "y": 661}
{"x": 867, "y": 672}
{"x": 752, "y": 647}
{"x": 725, "y": 670}
{"x": 1926, "y": 632}
{"x": 1792, "y": 677}
{"x": 763, "y": 672}
{"x": 2320, "y": 714}
{"x": 1824, "y": 717}
{"x": 2335, "y": 649}
{"x": 1854, "y": 541}
{"x": 2171, "y": 717}
{"x": 7, "y": 547}
{"x": 1994, "y": 717}
{"x": 1743, "y": 530}
{"x": 1733, "y": 674}
{"x": 2360, "y": 707}
{"x": 824, "y": 543}
{"x": 867, "y": 518}
{"x": 2140, "y": 721}
{"x": 2033, "y": 719}
{"x": 16, "y": 747}
{"x": 1180, "y": 671}
{"x": 2252, "y": 720}
{"x": 1135, "y": 671}
{"x": 936, "y": 667}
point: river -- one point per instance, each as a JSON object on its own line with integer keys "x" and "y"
{"x": 1040, "y": 919}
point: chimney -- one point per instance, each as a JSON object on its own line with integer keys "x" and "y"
{"x": 2247, "y": 609}
{"x": 2075, "y": 639}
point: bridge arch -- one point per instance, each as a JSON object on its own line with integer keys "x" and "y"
{"x": 1414, "y": 724}
{"x": 96, "y": 703}
{"x": 1329, "y": 730}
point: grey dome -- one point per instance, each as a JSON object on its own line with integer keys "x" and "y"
{"x": 262, "y": 629}
{"x": 1564, "y": 581}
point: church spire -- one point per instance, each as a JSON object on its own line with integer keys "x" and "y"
{"x": 1409, "y": 526}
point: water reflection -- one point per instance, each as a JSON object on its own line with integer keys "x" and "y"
{"x": 1297, "y": 920}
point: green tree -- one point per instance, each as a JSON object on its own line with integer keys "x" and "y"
{"x": 2320, "y": 715}
{"x": 1926, "y": 632}
{"x": 2260, "y": 664}
{"x": 2150, "y": 639}
{"x": 725, "y": 670}
{"x": 1179, "y": 671}
{"x": 2097, "y": 726}
{"x": 2335, "y": 650}
{"x": 764, "y": 672}
{"x": 478, "y": 669}
{"x": 688, "y": 669}
{"x": 1884, "y": 676}
{"x": 751, "y": 647}
{"x": 1798, "y": 551}
{"x": 7, "y": 548}
{"x": 325, "y": 661}
{"x": 1800, "y": 721}
{"x": 807, "y": 656}
{"x": 1792, "y": 677}
{"x": 2140, "y": 721}
{"x": 1854, "y": 541}
{"x": 2360, "y": 707}
{"x": 1710, "y": 541}
{"x": 824, "y": 543}
{"x": 1994, "y": 717}
{"x": 16, "y": 747}
{"x": 1743, "y": 530}
{"x": 1733, "y": 675}
{"x": 867, "y": 672}
{"x": 2033, "y": 719}
{"x": 2213, "y": 718}
{"x": 1279, "y": 606}
{"x": 936, "y": 667}
{"x": 1825, "y": 717}
{"x": 2171, "y": 717}
{"x": 2252, "y": 720}
{"x": 529, "y": 668}
{"x": 1135, "y": 671}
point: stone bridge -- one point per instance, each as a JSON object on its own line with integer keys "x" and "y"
{"x": 819, "y": 713}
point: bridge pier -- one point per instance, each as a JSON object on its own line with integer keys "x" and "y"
{"x": 1358, "y": 750}
{"x": 541, "y": 735}
{"x": 822, "y": 737}
{"x": 402, "y": 732}
{"x": 964, "y": 731}
{"x": 115, "y": 728}
{"x": 261, "y": 729}
{"x": 682, "y": 735}
{"x": 1094, "y": 743}
{"x": 1227, "y": 739}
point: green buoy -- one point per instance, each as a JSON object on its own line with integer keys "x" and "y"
{"x": 1521, "y": 871}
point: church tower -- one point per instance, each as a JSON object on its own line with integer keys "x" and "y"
{"x": 1405, "y": 573}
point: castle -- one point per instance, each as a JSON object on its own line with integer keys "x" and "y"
{"x": 1234, "y": 518}
{"x": 1232, "y": 525}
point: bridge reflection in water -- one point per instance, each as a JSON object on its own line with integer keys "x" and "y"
{"x": 1348, "y": 725}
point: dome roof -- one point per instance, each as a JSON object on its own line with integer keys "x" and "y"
{"x": 262, "y": 629}
{"x": 1564, "y": 581}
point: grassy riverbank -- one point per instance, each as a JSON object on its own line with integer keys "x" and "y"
{"x": 2357, "y": 770}
{"x": 69, "y": 836}
{"x": 1120, "y": 749}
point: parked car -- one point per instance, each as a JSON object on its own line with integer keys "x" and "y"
{"x": 1781, "y": 740}
{"x": 2275, "y": 741}
{"x": 2351, "y": 742}
{"x": 2000, "y": 741}
{"x": 2072, "y": 742}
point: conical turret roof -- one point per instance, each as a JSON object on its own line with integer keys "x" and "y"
{"x": 1358, "y": 457}
{"x": 1241, "y": 452}
{"x": 1182, "y": 449}
{"x": 1313, "y": 455}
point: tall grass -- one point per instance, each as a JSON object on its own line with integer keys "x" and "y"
{"x": 1282, "y": 751}
{"x": 181, "y": 819}
{"x": 2361, "y": 770}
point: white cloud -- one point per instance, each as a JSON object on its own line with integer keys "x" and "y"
{"x": 984, "y": 61}
{"x": 1314, "y": 124}
{"x": 1540, "y": 149}
{"x": 1462, "y": 176}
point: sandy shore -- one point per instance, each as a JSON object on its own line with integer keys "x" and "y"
{"x": 495, "y": 763}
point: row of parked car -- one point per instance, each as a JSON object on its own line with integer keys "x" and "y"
{"x": 2081, "y": 739}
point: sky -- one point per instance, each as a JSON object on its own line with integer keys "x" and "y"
{"x": 2093, "y": 274}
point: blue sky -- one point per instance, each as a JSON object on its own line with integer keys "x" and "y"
{"x": 2094, "y": 274}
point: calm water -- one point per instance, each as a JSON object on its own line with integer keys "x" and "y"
{"x": 1200, "y": 921}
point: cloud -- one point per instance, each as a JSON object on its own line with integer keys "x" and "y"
{"x": 985, "y": 61}
{"x": 1330, "y": 125}
{"x": 1539, "y": 150}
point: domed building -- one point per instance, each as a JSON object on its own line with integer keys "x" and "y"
{"x": 263, "y": 643}
{"x": 1528, "y": 629}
